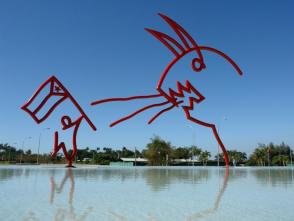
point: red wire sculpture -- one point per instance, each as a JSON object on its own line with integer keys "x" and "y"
{"x": 186, "y": 46}
{"x": 57, "y": 90}
{"x": 172, "y": 97}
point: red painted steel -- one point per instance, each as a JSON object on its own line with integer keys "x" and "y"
{"x": 59, "y": 91}
{"x": 179, "y": 49}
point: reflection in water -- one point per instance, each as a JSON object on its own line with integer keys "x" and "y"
{"x": 8, "y": 173}
{"x": 237, "y": 173}
{"x": 159, "y": 178}
{"x": 31, "y": 217}
{"x": 156, "y": 178}
{"x": 274, "y": 177}
{"x": 116, "y": 193}
{"x": 58, "y": 189}
{"x": 62, "y": 213}
{"x": 151, "y": 218}
{"x": 118, "y": 216}
{"x": 205, "y": 213}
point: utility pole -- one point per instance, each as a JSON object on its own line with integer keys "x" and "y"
{"x": 218, "y": 147}
{"x": 9, "y": 153}
{"x": 22, "y": 147}
{"x": 193, "y": 142}
{"x": 39, "y": 144}
{"x": 135, "y": 157}
{"x": 166, "y": 158}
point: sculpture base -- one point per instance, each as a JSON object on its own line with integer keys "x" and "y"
{"x": 70, "y": 166}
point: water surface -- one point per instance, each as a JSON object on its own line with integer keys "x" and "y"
{"x": 146, "y": 193}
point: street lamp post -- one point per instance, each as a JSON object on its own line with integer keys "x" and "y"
{"x": 218, "y": 147}
{"x": 93, "y": 152}
{"x": 135, "y": 156}
{"x": 166, "y": 159}
{"x": 9, "y": 154}
{"x": 193, "y": 142}
{"x": 39, "y": 144}
{"x": 10, "y": 150}
{"x": 22, "y": 147}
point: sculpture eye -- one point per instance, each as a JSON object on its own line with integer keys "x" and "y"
{"x": 197, "y": 64}
{"x": 66, "y": 122}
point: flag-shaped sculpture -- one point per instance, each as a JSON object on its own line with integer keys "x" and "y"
{"x": 54, "y": 90}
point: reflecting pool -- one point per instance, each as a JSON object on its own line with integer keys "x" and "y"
{"x": 32, "y": 193}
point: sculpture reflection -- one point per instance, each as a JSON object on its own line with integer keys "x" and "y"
{"x": 116, "y": 193}
{"x": 159, "y": 179}
{"x": 202, "y": 214}
{"x": 63, "y": 213}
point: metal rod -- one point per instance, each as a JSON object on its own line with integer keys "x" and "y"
{"x": 39, "y": 144}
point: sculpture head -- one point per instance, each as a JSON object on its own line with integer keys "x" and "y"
{"x": 47, "y": 98}
{"x": 49, "y": 90}
{"x": 186, "y": 45}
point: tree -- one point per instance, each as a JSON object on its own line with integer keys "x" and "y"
{"x": 28, "y": 152}
{"x": 195, "y": 151}
{"x": 271, "y": 154}
{"x": 234, "y": 156}
{"x": 281, "y": 160}
{"x": 127, "y": 153}
{"x": 237, "y": 156}
{"x": 181, "y": 153}
{"x": 260, "y": 156}
{"x": 204, "y": 156}
{"x": 138, "y": 153}
{"x": 158, "y": 151}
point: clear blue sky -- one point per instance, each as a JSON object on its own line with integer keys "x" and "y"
{"x": 99, "y": 49}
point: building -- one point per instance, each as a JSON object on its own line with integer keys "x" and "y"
{"x": 143, "y": 161}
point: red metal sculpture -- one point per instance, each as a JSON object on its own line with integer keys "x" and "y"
{"x": 57, "y": 90}
{"x": 174, "y": 97}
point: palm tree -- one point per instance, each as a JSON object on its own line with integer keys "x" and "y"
{"x": 158, "y": 151}
{"x": 281, "y": 160}
{"x": 237, "y": 156}
{"x": 260, "y": 156}
{"x": 195, "y": 151}
{"x": 204, "y": 156}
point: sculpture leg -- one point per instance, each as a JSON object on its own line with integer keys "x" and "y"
{"x": 58, "y": 146}
{"x": 69, "y": 163}
{"x": 226, "y": 157}
{"x": 214, "y": 130}
{"x": 71, "y": 158}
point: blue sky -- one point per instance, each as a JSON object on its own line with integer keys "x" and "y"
{"x": 99, "y": 49}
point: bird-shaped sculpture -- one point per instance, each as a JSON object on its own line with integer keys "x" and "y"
{"x": 175, "y": 94}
